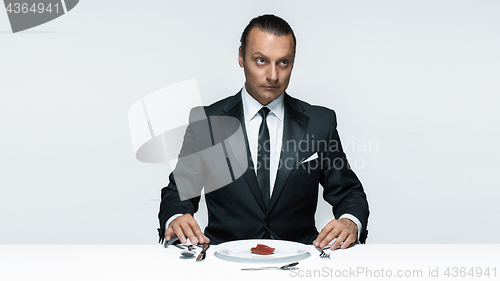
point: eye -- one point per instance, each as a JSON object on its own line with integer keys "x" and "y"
{"x": 284, "y": 63}
{"x": 260, "y": 61}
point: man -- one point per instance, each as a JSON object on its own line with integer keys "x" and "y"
{"x": 292, "y": 147}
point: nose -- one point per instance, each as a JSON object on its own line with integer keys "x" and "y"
{"x": 272, "y": 73}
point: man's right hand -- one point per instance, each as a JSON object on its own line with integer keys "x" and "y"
{"x": 186, "y": 226}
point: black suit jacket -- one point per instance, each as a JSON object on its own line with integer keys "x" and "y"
{"x": 237, "y": 210}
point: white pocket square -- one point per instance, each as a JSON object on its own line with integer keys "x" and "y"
{"x": 312, "y": 157}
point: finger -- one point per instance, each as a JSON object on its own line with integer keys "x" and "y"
{"x": 198, "y": 233}
{"x": 178, "y": 232}
{"x": 349, "y": 241}
{"x": 168, "y": 233}
{"x": 195, "y": 229}
{"x": 332, "y": 235}
{"x": 340, "y": 239}
{"x": 318, "y": 239}
{"x": 324, "y": 232}
{"x": 186, "y": 228}
{"x": 206, "y": 239}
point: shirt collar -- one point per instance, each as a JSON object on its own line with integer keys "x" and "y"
{"x": 251, "y": 106}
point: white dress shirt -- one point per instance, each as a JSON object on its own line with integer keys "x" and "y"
{"x": 253, "y": 120}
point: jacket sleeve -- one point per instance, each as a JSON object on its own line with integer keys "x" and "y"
{"x": 342, "y": 188}
{"x": 186, "y": 178}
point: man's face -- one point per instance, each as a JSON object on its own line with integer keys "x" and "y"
{"x": 268, "y": 64}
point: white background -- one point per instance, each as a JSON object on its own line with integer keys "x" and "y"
{"x": 418, "y": 80}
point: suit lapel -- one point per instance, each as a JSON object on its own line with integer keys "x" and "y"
{"x": 294, "y": 128}
{"x": 234, "y": 108}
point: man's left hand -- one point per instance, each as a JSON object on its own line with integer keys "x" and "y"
{"x": 345, "y": 230}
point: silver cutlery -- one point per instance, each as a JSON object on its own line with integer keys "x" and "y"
{"x": 203, "y": 253}
{"x": 290, "y": 266}
{"x": 187, "y": 253}
{"x": 322, "y": 255}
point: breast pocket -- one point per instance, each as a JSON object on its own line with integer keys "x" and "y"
{"x": 311, "y": 166}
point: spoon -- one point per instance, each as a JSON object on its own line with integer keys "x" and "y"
{"x": 290, "y": 266}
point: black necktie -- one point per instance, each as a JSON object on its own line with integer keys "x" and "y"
{"x": 264, "y": 157}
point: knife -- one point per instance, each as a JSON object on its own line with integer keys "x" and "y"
{"x": 203, "y": 253}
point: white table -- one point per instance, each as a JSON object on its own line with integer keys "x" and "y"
{"x": 154, "y": 262}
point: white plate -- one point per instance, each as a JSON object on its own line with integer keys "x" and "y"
{"x": 239, "y": 251}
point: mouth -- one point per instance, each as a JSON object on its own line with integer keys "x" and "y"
{"x": 271, "y": 87}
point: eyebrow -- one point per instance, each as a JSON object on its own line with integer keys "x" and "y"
{"x": 288, "y": 56}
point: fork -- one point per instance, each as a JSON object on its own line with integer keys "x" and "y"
{"x": 322, "y": 255}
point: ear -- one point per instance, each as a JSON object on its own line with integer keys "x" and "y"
{"x": 240, "y": 57}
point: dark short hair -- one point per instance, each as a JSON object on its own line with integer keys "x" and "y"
{"x": 270, "y": 24}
